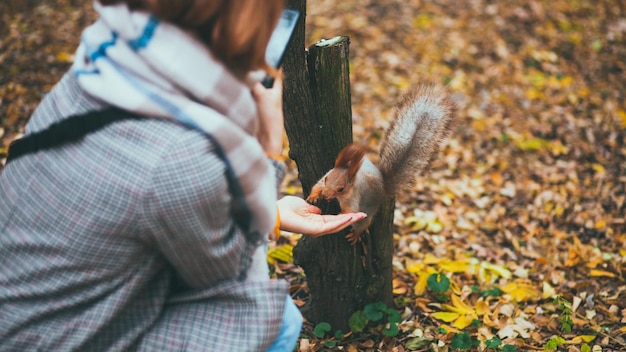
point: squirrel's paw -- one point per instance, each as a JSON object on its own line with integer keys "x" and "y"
{"x": 314, "y": 196}
{"x": 353, "y": 238}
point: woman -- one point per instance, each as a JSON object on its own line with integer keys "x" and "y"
{"x": 141, "y": 234}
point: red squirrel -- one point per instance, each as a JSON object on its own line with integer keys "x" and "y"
{"x": 420, "y": 125}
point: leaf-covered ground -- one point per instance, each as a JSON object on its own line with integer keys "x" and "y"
{"x": 525, "y": 203}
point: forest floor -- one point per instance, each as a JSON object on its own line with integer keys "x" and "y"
{"x": 525, "y": 203}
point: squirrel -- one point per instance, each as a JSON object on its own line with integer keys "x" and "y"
{"x": 420, "y": 125}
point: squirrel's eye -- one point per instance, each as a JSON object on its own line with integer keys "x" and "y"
{"x": 340, "y": 190}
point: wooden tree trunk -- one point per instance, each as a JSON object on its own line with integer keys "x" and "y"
{"x": 318, "y": 113}
{"x": 342, "y": 278}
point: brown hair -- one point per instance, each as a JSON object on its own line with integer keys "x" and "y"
{"x": 237, "y": 31}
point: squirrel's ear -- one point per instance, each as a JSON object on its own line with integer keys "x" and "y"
{"x": 351, "y": 158}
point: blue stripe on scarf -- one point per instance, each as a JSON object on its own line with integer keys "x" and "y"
{"x": 146, "y": 36}
{"x": 136, "y": 44}
{"x": 98, "y": 53}
{"x": 102, "y": 48}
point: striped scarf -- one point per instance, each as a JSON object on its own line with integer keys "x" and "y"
{"x": 132, "y": 60}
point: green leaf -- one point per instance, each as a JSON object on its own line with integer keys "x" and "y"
{"x": 391, "y": 330}
{"x": 438, "y": 283}
{"x": 442, "y": 330}
{"x": 554, "y": 343}
{"x": 597, "y": 45}
{"x": 585, "y": 348}
{"x": 476, "y": 323}
{"x": 493, "y": 342}
{"x": 358, "y": 321}
{"x": 493, "y": 292}
{"x": 566, "y": 327}
{"x": 330, "y": 344}
{"x": 463, "y": 341}
{"x": 393, "y": 316}
{"x": 442, "y": 297}
{"x": 374, "y": 311}
{"x": 509, "y": 348}
{"x": 321, "y": 329}
{"x": 338, "y": 334}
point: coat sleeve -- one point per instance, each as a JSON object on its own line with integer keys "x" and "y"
{"x": 187, "y": 209}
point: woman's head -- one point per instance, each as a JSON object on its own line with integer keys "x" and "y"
{"x": 237, "y": 31}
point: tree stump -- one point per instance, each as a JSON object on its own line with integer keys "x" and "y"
{"x": 318, "y": 119}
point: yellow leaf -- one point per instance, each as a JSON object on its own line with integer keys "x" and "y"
{"x": 415, "y": 268}
{"x": 434, "y": 226}
{"x": 463, "y": 321}
{"x": 583, "y": 92}
{"x": 566, "y": 81}
{"x": 431, "y": 259}
{"x": 423, "y": 21}
{"x": 416, "y": 223}
{"x": 595, "y": 272}
{"x": 521, "y": 291}
{"x": 422, "y": 280}
{"x": 455, "y": 266}
{"x": 65, "y": 57}
{"x": 600, "y": 224}
{"x": 538, "y": 80}
{"x": 460, "y": 306}
{"x": 454, "y": 288}
{"x": 557, "y": 148}
{"x": 488, "y": 272}
{"x": 446, "y": 316}
{"x": 448, "y": 328}
{"x": 622, "y": 116}
{"x": 460, "y": 313}
{"x": 488, "y": 320}
{"x": 482, "y": 308}
{"x": 532, "y": 144}
{"x": 559, "y": 210}
{"x": 533, "y": 93}
{"x": 293, "y": 189}
{"x": 282, "y": 253}
{"x": 582, "y": 338}
{"x": 598, "y": 168}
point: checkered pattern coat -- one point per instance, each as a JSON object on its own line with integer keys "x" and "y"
{"x": 124, "y": 242}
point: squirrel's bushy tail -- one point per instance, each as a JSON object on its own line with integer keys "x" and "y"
{"x": 421, "y": 124}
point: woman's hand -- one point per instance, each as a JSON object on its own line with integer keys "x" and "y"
{"x": 269, "y": 103}
{"x": 296, "y": 215}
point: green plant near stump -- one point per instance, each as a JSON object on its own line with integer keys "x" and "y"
{"x": 373, "y": 315}
{"x": 375, "y": 312}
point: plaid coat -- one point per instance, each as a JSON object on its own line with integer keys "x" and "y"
{"x": 124, "y": 242}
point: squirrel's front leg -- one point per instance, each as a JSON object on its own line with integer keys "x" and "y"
{"x": 358, "y": 229}
{"x": 316, "y": 192}
{"x": 353, "y": 237}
